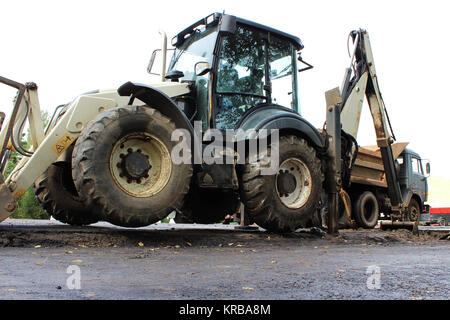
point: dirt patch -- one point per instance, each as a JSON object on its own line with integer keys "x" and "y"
{"x": 62, "y": 235}
{"x": 59, "y": 236}
{"x": 393, "y": 235}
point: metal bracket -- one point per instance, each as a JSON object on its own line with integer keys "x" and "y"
{"x": 333, "y": 173}
{"x": 8, "y": 204}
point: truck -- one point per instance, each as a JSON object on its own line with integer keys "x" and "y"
{"x": 439, "y": 216}
{"x": 369, "y": 187}
{"x": 221, "y": 128}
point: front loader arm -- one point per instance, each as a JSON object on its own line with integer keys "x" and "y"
{"x": 26, "y": 105}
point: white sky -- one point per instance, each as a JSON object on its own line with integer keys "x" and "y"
{"x": 70, "y": 47}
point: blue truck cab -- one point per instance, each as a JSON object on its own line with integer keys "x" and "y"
{"x": 413, "y": 174}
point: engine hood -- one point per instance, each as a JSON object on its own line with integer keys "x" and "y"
{"x": 171, "y": 89}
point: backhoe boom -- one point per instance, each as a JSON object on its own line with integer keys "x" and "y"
{"x": 365, "y": 82}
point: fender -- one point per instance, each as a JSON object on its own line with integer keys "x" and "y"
{"x": 284, "y": 119}
{"x": 164, "y": 104}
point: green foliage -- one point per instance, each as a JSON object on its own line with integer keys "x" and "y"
{"x": 29, "y": 208}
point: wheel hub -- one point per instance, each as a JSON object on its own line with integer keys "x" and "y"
{"x": 413, "y": 214}
{"x": 140, "y": 164}
{"x": 293, "y": 183}
{"x": 286, "y": 183}
{"x": 134, "y": 165}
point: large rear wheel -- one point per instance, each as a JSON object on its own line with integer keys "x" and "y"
{"x": 122, "y": 167}
{"x": 287, "y": 200}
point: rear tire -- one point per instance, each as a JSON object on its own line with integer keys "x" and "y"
{"x": 287, "y": 200}
{"x": 56, "y": 193}
{"x": 366, "y": 210}
{"x": 122, "y": 167}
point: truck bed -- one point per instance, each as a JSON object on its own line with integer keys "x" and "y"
{"x": 369, "y": 169}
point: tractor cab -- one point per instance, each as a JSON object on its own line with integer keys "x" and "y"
{"x": 234, "y": 65}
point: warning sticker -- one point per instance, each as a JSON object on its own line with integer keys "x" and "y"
{"x": 19, "y": 193}
{"x": 62, "y": 144}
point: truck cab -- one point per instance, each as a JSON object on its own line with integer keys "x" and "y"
{"x": 413, "y": 175}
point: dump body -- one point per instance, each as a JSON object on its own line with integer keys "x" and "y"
{"x": 368, "y": 168}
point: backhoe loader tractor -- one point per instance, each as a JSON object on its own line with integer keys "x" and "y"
{"x": 112, "y": 155}
{"x": 107, "y": 155}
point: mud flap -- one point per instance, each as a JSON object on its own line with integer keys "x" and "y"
{"x": 7, "y": 203}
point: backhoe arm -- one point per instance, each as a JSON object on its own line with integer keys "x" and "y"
{"x": 365, "y": 82}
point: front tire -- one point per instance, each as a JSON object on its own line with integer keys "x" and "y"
{"x": 413, "y": 210}
{"x": 122, "y": 167}
{"x": 287, "y": 200}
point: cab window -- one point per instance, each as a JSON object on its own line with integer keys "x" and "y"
{"x": 255, "y": 67}
{"x": 416, "y": 166}
{"x": 281, "y": 73}
{"x": 240, "y": 77}
{"x": 241, "y": 65}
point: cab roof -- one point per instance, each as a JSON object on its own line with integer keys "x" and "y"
{"x": 411, "y": 152}
{"x": 214, "y": 18}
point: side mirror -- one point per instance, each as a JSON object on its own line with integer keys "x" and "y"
{"x": 426, "y": 165}
{"x": 202, "y": 68}
{"x": 152, "y": 61}
{"x": 156, "y": 62}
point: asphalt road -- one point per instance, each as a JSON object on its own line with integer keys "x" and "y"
{"x": 45, "y": 260}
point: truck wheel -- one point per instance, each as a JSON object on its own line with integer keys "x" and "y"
{"x": 56, "y": 193}
{"x": 285, "y": 201}
{"x": 413, "y": 210}
{"x": 367, "y": 210}
{"x": 122, "y": 167}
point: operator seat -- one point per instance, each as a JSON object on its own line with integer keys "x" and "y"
{"x": 228, "y": 79}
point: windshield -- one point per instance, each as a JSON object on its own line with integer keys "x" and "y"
{"x": 197, "y": 48}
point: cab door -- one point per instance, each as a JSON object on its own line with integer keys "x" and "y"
{"x": 241, "y": 76}
{"x": 418, "y": 179}
{"x": 254, "y": 68}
